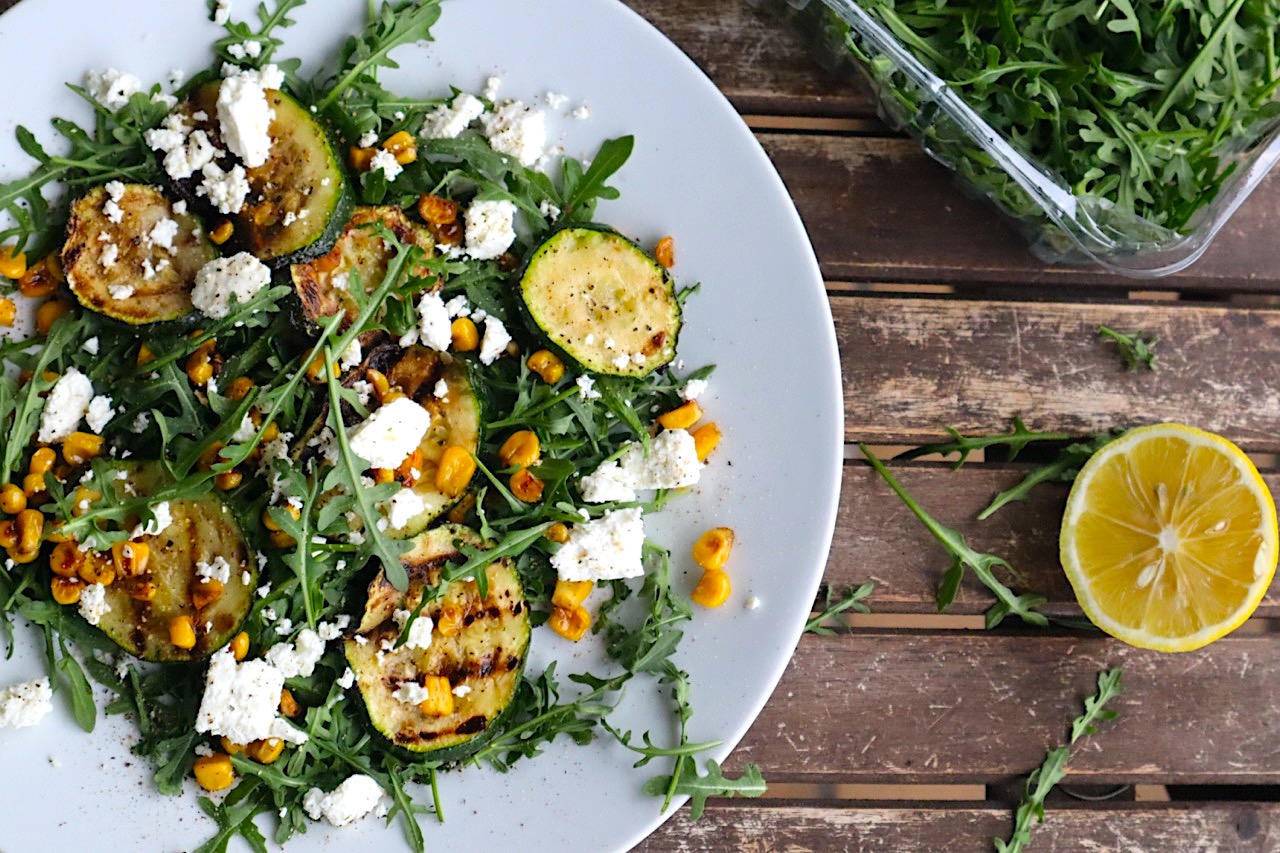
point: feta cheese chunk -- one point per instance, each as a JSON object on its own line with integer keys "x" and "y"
{"x": 225, "y": 190}
{"x": 391, "y": 433}
{"x": 490, "y": 228}
{"x": 419, "y": 632}
{"x": 693, "y": 389}
{"x": 352, "y": 355}
{"x": 25, "y": 704}
{"x": 111, "y": 88}
{"x": 385, "y": 162}
{"x": 186, "y": 151}
{"x": 298, "y": 658}
{"x": 241, "y": 275}
{"x": 217, "y": 569}
{"x": 67, "y": 404}
{"x": 495, "y": 340}
{"x": 356, "y": 797}
{"x": 93, "y": 603}
{"x": 411, "y": 693}
{"x": 517, "y": 131}
{"x": 244, "y": 116}
{"x": 433, "y": 322}
{"x": 99, "y": 413}
{"x": 587, "y": 387}
{"x": 672, "y": 463}
{"x": 447, "y": 121}
{"x": 240, "y": 700}
{"x": 404, "y": 507}
{"x": 163, "y": 233}
{"x": 607, "y": 548}
{"x": 163, "y": 518}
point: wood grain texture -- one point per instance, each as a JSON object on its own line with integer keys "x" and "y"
{"x": 912, "y": 366}
{"x": 864, "y": 828}
{"x": 973, "y": 707}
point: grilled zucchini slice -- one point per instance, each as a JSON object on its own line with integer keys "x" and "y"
{"x": 603, "y": 301}
{"x": 203, "y": 530}
{"x": 118, "y": 269}
{"x": 322, "y": 284}
{"x": 486, "y": 654}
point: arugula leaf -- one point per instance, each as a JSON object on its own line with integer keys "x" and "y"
{"x": 828, "y": 622}
{"x": 241, "y": 34}
{"x": 579, "y": 201}
{"x": 1063, "y": 469}
{"x": 1136, "y": 350}
{"x": 1016, "y": 440}
{"x": 714, "y": 784}
{"x": 391, "y": 26}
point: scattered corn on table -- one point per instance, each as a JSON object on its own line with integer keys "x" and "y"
{"x": 915, "y": 732}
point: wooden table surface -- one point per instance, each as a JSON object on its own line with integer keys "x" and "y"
{"x": 914, "y": 732}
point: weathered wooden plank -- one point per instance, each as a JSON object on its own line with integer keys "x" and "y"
{"x": 912, "y": 366}
{"x": 879, "y": 209}
{"x": 865, "y": 828}
{"x": 977, "y": 707}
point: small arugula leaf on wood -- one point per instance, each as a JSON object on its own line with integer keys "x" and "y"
{"x": 714, "y": 783}
{"x": 1016, "y": 440}
{"x": 1136, "y": 350}
{"x": 828, "y": 622}
{"x": 1063, "y": 469}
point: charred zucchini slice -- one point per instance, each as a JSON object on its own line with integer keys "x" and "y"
{"x": 486, "y": 654}
{"x": 603, "y": 300}
{"x": 323, "y": 283}
{"x": 141, "y": 268}
{"x": 203, "y": 532}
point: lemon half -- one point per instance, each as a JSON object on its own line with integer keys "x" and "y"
{"x": 1169, "y": 538}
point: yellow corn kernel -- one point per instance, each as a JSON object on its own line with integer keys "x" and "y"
{"x": 466, "y": 336}
{"x": 49, "y": 312}
{"x": 521, "y": 448}
{"x": 558, "y": 532}
{"x": 32, "y": 485}
{"x": 526, "y": 486}
{"x": 182, "y": 632}
{"x": 145, "y": 355}
{"x": 222, "y": 232}
{"x": 449, "y": 622}
{"x": 240, "y": 646}
{"x": 199, "y": 370}
{"x": 439, "y": 701}
{"x": 66, "y": 590}
{"x": 94, "y": 568}
{"x": 65, "y": 559}
{"x": 705, "y": 439}
{"x": 315, "y": 371}
{"x": 265, "y": 751}
{"x": 239, "y": 388}
{"x": 665, "y": 252}
{"x": 392, "y": 395}
{"x": 229, "y": 746}
{"x": 271, "y": 524}
{"x": 455, "y": 470}
{"x": 402, "y": 146}
{"x": 13, "y": 264}
{"x": 682, "y": 417}
{"x": 42, "y": 460}
{"x": 9, "y": 534}
{"x": 548, "y": 365}
{"x": 41, "y": 278}
{"x": 571, "y": 594}
{"x": 55, "y": 533}
{"x": 288, "y": 705}
{"x": 30, "y": 530}
{"x": 271, "y": 432}
{"x": 410, "y": 470}
{"x": 205, "y": 592}
{"x": 381, "y": 385}
{"x": 24, "y": 557}
{"x": 82, "y": 499}
{"x": 570, "y": 622}
{"x": 360, "y": 158}
{"x": 130, "y": 558}
{"x": 80, "y": 447}
{"x": 8, "y": 312}
{"x": 435, "y": 210}
{"x": 214, "y": 772}
{"x": 228, "y": 480}
{"x": 712, "y": 549}
{"x": 383, "y": 475}
{"x": 712, "y": 589}
{"x": 12, "y": 500}
{"x": 143, "y": 591}
{"x": 282, "y": 540}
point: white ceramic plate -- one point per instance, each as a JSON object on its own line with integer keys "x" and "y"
{"x": 762, "y": 316}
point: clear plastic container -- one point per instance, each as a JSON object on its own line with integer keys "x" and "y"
{"x": 1062, "y": 226}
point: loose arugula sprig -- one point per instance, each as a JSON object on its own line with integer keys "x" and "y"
{"x": 241, "y": 34}
{"x": 1016, "y": 440}
{"x": 1043, "y": 779}
{"x": 829, "y": 621}
{"x": 1136, "y": 350}
{"x": 1063, "y": 469}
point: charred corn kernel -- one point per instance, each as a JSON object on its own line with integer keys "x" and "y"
{"x": 315, "y": 371}
{"x": 32, "y": 485}
{"x": 52, "y": 264}
{"x": 24, "y": 557}
{"x": 8, "y": 312}
{"x": 271, "y": 524}
{"x": 682, "y": 417}
{"x": 435, "y": 210}
{"x": 280, "y": 539}
{"x": 55, "y": 534}
{"x": 288, "y": 705}
{"x": 143, "y": 591}
{"x": 130, "y": 558}
{"x": 229, "y": 746}
{"x": 205, "y": 592}
{"x": 392, "y": 395}
{"x": 199, "y": 370}
{"x": 712, "y": 549}
{"x": 65, "y": 559}
{"x": 383, "y": 475}
{"x": 271, "y": 432}
{"x": 526, "y": 486}
{"x": 381, "y": 385}
{"x": 214, "y": 772}
{"x": 145, "y": 355}
{"x": 558, "y": 532}
{"x": 570, "y": 622}
{"x": 13, "y": 264}
{"x": 49, "y": 312}
{"x": 455, "y": 470}
{"x": 521, "y": 448}
{"x": 94, "y": 568}
{"x": 182, "y": 632}
{"x": 402, "y": 146}
{"x": 8, "y": 534}
{"x": 705, "y": 439}
{"x": 360, "y": 158}
{"x": 548, "y": 365}
{"x": 82, "y": 498}
{"x": 42, "y": 460}
{"x": 80, "y": 447}
{"x": 449, "y": 622}
{"x": 466, "y": 336}
{"x": 458, "y": 514}
{"x": 439, "y": 701}
{"x": 571, "y": 594}
{"x": 665, "y": 252}
{"x": 30, "y": 529}
{"x": 66, "y": 590}
{"x": 712, "y": 589}
{"x": 41, "y": 279}
{"x": 410, "y": 470}
{"x": 239, "y": 388}
{"x": 265, "y": 751}
{"x": 228, "y": 480}
{"x": 222, "y": 232}
{"x": 12, "y": 500}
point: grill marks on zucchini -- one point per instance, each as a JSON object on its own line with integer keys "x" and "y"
{"x": 359, "y": 253}
{"x": 603, "y": 301}
{"x": 117, "y": 269}
{"x": 486, "y": 653}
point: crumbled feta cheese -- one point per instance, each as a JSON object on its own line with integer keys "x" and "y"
{"x": 163, "y": 518}
{"x": 93, "y": 603}
{"x": 347, "y": 679}
{"x": 164, "y": 99}
{"x": 548, "y": 210}
{"x": 462, "y": 690}
{"x": 90, "y": 346}
{"x": 120, "y": 291}
{"x": 163, "y": 233}
{"x": 186, "y": 151}
{"x": 587, "y": 387}
{"x": 385, "y": 162}
{"x": 693, "y": 389}
{"x": 140, "y": 423}
{"x": 333, "y": 630}
{"x": 244, "y": 116}
{"x": 67, "y": 403}
{"x": 110, "y": 253}
{"x": 555, "y": 100}
{"x": 391, "y": 433}
{"x": 112, "y": 210}
{"x": 458, "y": 307}
{"x": 622, "y": 361}
{"x": 753, "y": 603}
{"x": 221, "y": 14}
{"x": 245, "y": 50}
{"x": 203, "y": 750}
{"x": 517, "y": 131}
{"x": 225, "y": 190}
{"x": 240, "y": 276}
{"x": 99, "y": 413}
{"x": 246, "y": 577}
{"x": 419, "y": 632}
{"x": 411, "y": 693}
{"x": 491, "y": 88}
{"x": 404, "y": 507}
{"x": 300, "y": 657}
{"x": 276, "y": 448}
{"x": 607, "y": 548}
{"x": 495, "y": 340}
{"x": 433, "y": 322}
{"x": 369, "y": 139}
{"x": 25, "y": 704}
{"x": 447, "y": 121}
{"x": 217, "y": 569}
{"x": 111, "y": 88}
{"x": 352, "y": 355}
{"x": 350, "y": 801}
{"x": 245, "y": 431}
{"x": 672, "y": 463}
{"x": 582, "y": 113}
{"x": 441, "y": 390}
{"x": 240, "y": 700}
